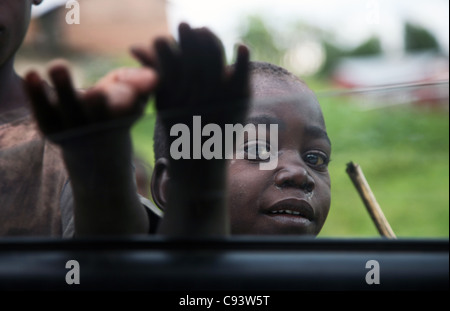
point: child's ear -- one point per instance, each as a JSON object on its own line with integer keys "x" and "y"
{"x": 159, "y": 183}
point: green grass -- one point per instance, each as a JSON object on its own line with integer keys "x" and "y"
{"x": 142, "y": 134}
{"x": 403, "y": 152}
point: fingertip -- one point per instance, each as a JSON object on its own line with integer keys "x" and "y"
{"x": 58, "y": 72}
{"x": 137, "y": 50}
{"x": 57, "y": 66}
{"x": 243, "y": 52}
{"x": 142, "y": 79}
{"x": 60, "y": 75}
{"x": 137, "y": 47}
{"x": 164, "y": 49}
{"x": 149, "y": 73}
{"x": 32, "y": 78}
{"x": 143, "y": 55}
{"x": 160, "y": 43}
{"x": 207, "y": 31}
{"x": 138, "y": 55}
{"x": 33, "y": 84}
{"x": 152, "y": 79}
{"x": 184, "y": 31}
{"x": 243, "y": 61}
{"x": 184, "y": 26}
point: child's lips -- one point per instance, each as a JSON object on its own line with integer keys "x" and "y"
{"x": 291, "y": 209}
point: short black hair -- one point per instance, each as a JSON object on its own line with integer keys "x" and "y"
{"x": 272, "y": 70}
{"x": 160, "y": 140}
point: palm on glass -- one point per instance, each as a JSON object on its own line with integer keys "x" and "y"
{"x": 194, "y": 79}
{"x": 120, "y": 95}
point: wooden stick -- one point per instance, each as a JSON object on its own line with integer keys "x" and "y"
{"x": 374, "y": 209}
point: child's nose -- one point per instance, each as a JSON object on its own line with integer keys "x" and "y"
{"x": 293, "y": 173}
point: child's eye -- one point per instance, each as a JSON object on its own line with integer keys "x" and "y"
{"x": 316, "y": 159}
{"x": 257, "y": 150}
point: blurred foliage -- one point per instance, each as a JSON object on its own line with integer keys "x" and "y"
{"x": 371, "y": 46}
{"x": 257, "y": 35}
{"x": 418, "y": 39}
{"x": 333, "y": 54}
{"x": 270, "y": 45}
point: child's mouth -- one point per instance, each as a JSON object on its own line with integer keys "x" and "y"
{"x": 287, "y": 212}
{"x": 291, "y": 210}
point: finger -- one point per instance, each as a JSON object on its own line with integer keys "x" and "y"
{"x": 140, "y": 81}
{"x": 186, "y": 38}
{"x": 147, "y": 57}
{"x": 169, "y": 70}
{"x": 46, "y": 114}
{"x": 190, "y": 51}
{"x": 71, "y": 108}
{"x": 167, "y": 52}
{"x": 167, "y": 57}
{"x": 210, "y": 50}
{"x": 192, "y": 71}
{"x": 239, "y": 84}
{"x": 143, "y": 80}
{"x": 212, "y": 66}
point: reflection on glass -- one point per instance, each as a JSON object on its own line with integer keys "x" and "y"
{"x": 388, "y": 110}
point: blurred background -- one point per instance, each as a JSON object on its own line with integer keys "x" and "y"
{"x": 379, "y": 68}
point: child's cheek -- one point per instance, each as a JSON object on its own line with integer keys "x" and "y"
{"x": 238, "y": 172}
{"x": 235, "y": 165}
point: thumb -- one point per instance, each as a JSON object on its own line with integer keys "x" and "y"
{"x": 125, "y": 88}
{"x": 143, "y": 80}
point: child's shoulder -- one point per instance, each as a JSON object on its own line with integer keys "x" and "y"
{"x": 15, "y": 117}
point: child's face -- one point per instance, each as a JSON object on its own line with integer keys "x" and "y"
{"x": 294, "y": 198}
{"x": 14, "y": 21}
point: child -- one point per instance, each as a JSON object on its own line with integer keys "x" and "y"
{"x": 294, "y": 198}
{"x": 216, "y": 197}
{"x": 36, "y": 198}
{"x": 26, "y": 208}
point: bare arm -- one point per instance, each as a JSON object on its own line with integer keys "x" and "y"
{"x": 93, "y": 130}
